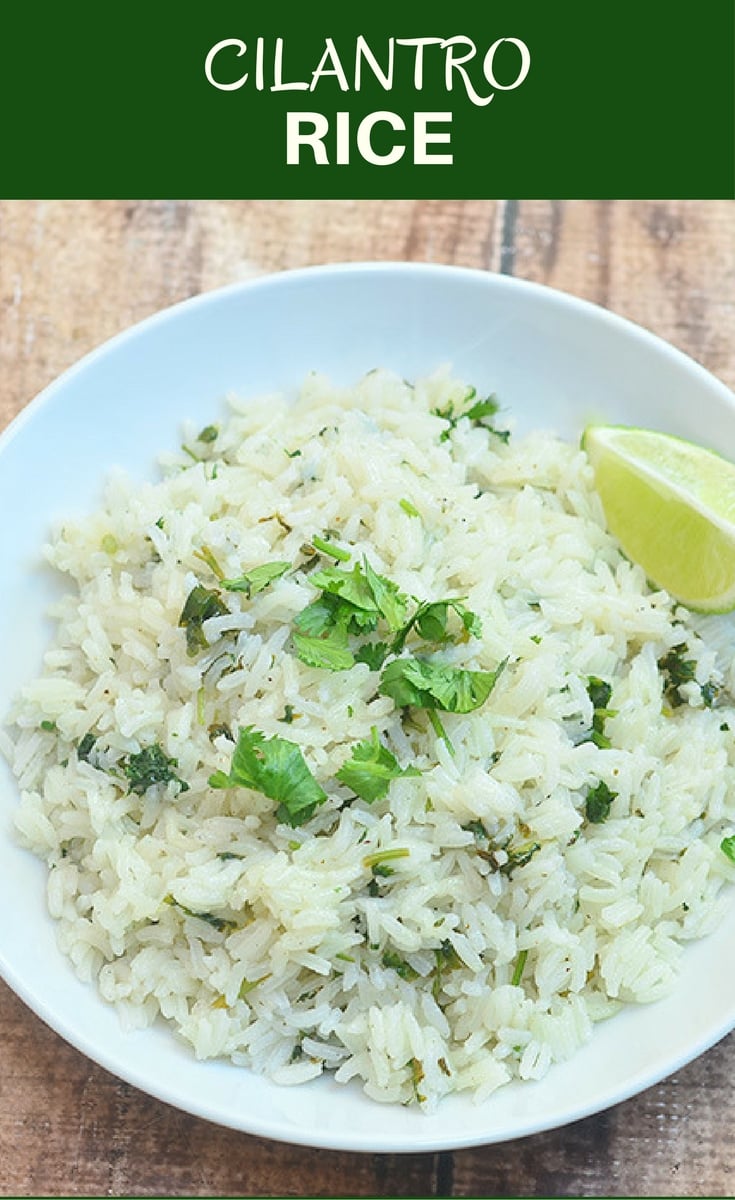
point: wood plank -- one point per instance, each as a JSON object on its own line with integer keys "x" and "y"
{"x": 73, "y": 273}
{"x": 672, "y": 1140}
{"x": 668, "y": 265}
{"x": 69, "y": 1127}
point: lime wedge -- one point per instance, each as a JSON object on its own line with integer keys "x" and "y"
{"x": 671, "y": 505}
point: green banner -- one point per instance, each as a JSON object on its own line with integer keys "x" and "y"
{"x": 392, "y": 100}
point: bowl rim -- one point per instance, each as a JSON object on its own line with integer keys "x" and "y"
{"x": 497, "y": 279}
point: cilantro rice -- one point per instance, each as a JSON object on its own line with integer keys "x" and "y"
{"x": 362, "y": 749}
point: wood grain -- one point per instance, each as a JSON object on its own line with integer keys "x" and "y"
{"x": 72, "y": 273}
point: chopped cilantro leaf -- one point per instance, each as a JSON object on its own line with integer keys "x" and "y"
{"x": 321, "y": 616}
{"x": 288, "y": 714}
{"x": 275, "y": 768}
{"x": 371, "y": 769}
{"x": 598, "y": 803}
{"x": 481, "y": 409}
{"x": 399, "y": 965}
{"x": 599, "y": 692}
{"x": 221, "y": 924}
{"x": 293, "y": 453}
{"x": 676, "y": 671}
{"x": 254, "y": 581}
{"x": 328, "y": 653}
{"x": 425, "y": 684}
{"x": 727, "y": 846}
{"x": 85, "y": 747}
{"x": 476, "y": 414}
{"x": 151, "y": 765}
{"x": 431, "y": 620}
{"x": 201, "y": 604}
{"x": 391, "y": 603}
{"x": 373, "y": 654}
{"x": 209, "y": 434}
{"x": 518, "y": 856}
{"x": 351, "y": 586}
{"x": 48, "y": 726}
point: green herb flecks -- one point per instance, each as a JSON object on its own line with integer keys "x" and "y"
{"x": 421, "y": 683}
{"x": 599, "y": 692}
{"x": 373, "y": 654}
{"x": 505, "y": 858}
{"x": 445, "y": 959}
{"x": 478, "y": 414}
{"x": 677, "y": 671}
{"x": 252, "y": 582}
{"x": 85, "y": 747}
{"x": 275, "y": 768}
{"x": 518, "y": 856}
{"x": 221, "y": 924}
{"x": 371, "y": 769}
{"x": 49, "y": 726}
{"x": 150, "y": 766}
{"x": 598, "y": 803}
{"x": 209, "y": 434}
{"x": 409, "y": 508}
{"x": 727, "y": 846}
{"x": 201, "y": 604}
{"x": 399, "y": 965}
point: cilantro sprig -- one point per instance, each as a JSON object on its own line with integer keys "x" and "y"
{"x": 252, "y": 582}
{"x": 352, "y": 603}
{"x": 276, "y": 768}
{"x": 431, "y": 622}
{"x": 371, "y": 769}
{"x": 421, "y": 683}
{"x": 598, "y": 803}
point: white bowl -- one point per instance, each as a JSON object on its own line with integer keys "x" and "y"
{"x": 555, "y": 361}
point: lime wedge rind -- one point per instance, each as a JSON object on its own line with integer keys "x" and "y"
{"x": 671, "y": 506}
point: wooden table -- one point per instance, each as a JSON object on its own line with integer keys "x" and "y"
{"x": 74, "y": 272}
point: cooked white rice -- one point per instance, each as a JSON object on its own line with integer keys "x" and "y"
{"x": 458, "y": 970}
